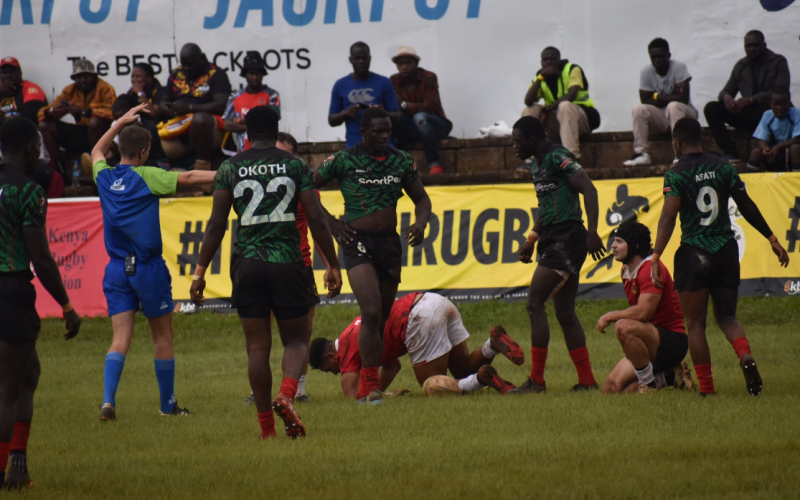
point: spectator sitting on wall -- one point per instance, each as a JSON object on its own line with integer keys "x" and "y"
{"x": 18, "y": 97}
{"x": 777, "y": 134}
{"x": 358, "y": 91}
{"x": 254, "y": 69}
{"x": 422, "y": 116}
{"x": 88, "y": 101}
{"x": 200, "y": 89}
{"x": 754, "y": 77}
{"x": 568, "y": 112}
{"x": 145, "y": 89}
{"x": 664, "y": 96}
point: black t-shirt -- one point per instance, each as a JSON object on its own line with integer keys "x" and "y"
{"x": 26, "y": 101}
{"x": 199, "y": 91}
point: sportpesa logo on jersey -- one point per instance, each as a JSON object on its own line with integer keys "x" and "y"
{"x": 389, "y": 179}
{"x": 361, "y": 96}
{"x": 541, "y": 188}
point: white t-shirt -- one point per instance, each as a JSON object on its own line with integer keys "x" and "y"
{"x": 651, "y": 81}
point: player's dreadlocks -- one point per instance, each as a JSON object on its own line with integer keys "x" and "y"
{"x": 262, "y": 123}
{"x": 316, "y": 352}
{"x": 531, "y": 127}
{"x": 637, "y": 236}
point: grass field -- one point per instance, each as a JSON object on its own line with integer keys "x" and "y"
{"x": 554, "y": 446}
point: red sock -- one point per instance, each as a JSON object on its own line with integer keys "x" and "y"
{"x": 538, "y": 358}
{"x": 704, "y": 378}
{"x": 368, "y": 381}
{"x": 288, "y": 387}
{"x": 741, "y": 346}
{"x": 22, "y": 431}
{"x": 5, "y": 449}
{"x": 267, "y": 422}
{"x": 580, "y": 357}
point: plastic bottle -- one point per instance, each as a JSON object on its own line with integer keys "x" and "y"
{"x": 76, "y": 173}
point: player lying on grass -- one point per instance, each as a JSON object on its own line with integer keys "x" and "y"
{"x": 136, "y": 272}
{"x": 372, "y": 176}
{"x": 23, "y": 241}
{"x": 651, "y": 329}
{"x": 264, "y": 185}
{"x": 707, "y": 262}
{"x": 428, "y": 327}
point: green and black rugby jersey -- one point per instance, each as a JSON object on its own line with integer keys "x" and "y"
{"x": 23, "y": 203}
{"x": 704, "y": 182}
{"x": 558, "y": 201}
{"x": 266, "y": 184}
{"x": 368, "y": 183}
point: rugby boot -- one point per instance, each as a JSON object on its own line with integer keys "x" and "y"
{"x": 250, "y": 400}
{"x": 176, "y": 412}
{"x": 683, "y": 377}
{"x": 303, "y": 398}
{"x": 107, "y": 413}
{"x": 488, "y": 376}
{"x": 529, "y": 387}
{"x": 707, "y": 394}
{"x": 283, "y": 407}
{"x": 751, "y": 376}
{"x": 17, "y": 476}
{"x": 374, "y": 398}
{"x": 585, "y": 388}
{"x": 505, "y": 345}
{"x": 644, "y": 388}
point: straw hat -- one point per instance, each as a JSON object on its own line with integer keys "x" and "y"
{"x": 405, "y": 51}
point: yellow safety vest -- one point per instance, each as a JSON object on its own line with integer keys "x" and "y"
{"x": 563, "y": 82}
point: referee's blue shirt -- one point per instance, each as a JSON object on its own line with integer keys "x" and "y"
{"x": 129, "y": 198}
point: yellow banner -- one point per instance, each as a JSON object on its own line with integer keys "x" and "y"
{"x": 475, "y": 232}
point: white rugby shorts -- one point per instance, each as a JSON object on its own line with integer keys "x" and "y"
{"x": 434, "y": 328}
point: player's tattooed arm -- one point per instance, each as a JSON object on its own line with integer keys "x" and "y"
{"x": 212, "y": 239}
{"x": 581, "y": 183}
{"x": 752, "y": 214}
{"x": 47, "y": 272}
{"x": 422, "y": 212}
{"x": 666, "y": 225}
{"x": 321, "y": 233}
{"x": 642, "y": 311}
{"x": 350, "y": 385}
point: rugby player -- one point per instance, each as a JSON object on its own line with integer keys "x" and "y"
{"x": 372, "y": 176}
{"x": 136, "y": 272}
{"x": 707, "y": 261}
{"x": 651, "y": 330}
{"x": 23, "y": 241}
{"x": 429, "y": 328}
{"x": 563, "y": 245}
{"x": 264, "y": 185}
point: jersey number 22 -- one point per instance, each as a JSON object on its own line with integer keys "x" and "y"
{"x": 278, "y": 214}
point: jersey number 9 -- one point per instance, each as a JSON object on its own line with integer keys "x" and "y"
{"x": 711, "y": 208}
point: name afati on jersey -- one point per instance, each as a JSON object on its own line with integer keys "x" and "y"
{"x": 705, "y": 176}
{"x": 254, "y": 170}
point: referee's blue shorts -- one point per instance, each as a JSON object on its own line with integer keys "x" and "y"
{"x": 151, "y": 286}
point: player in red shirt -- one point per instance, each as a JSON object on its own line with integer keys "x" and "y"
{"x": 429, "y": 328}
{"x": 651, "y": 330}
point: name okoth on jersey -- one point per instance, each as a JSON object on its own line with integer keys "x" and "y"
{"x": 704, "y": 183}
{"x": 369, "y": 184}
{"x": 266, "y": 184}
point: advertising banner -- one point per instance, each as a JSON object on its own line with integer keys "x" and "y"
{"x": 475, "y": 232}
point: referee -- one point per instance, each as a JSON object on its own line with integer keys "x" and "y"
{"x": 23, "y": 205}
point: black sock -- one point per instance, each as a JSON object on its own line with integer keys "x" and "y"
{"x": 753, "y": 166}
{"x": 652, "y": 384}
{"x": 795, "y": 167}
{"x": 669, "y": 378}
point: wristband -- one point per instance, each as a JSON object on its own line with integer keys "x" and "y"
{"x": 539, "y": 77}
{"x": 655, "y": 96}
{"x": 772, "y": 238}
{"x": 656, "y": 256}
{"x": 67, "y": 307}
{"x": 199, "y": 272}
{"x": 197, "y": 278}
{"x": 532, "y": 237}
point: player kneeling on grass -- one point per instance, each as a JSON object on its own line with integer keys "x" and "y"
{"x": 428, "y": 327}
{"x": 651, "y": 330}
{"x": 136, "y": 272}
{"x": 264, "y": 185}
{"x": 23, "y": 241}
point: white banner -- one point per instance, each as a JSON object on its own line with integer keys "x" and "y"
{"x": 484, "y": 51}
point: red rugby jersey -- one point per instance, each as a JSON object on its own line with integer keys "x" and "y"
{"x": 668, "y": 314}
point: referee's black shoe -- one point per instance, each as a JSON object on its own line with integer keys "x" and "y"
{"x": 751, "y": 376}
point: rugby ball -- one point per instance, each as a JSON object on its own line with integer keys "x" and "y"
{"x": 441, "y": 385}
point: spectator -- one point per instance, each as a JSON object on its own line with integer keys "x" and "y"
{"x": 754, "y": 77}
{"x": 18, "y": 97}
{"x": 664, "y": 96}
{"x": 200, "y": 89}
{"x": 778, "y": 132}
{"x": 89, "y": 102}
{"x": 568, "y": 112}
{"x": 422, "y": 116}
{"x": 145, "y": 89}
{"x": 254, "y": 94}
{"x": 358, "y": 91}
